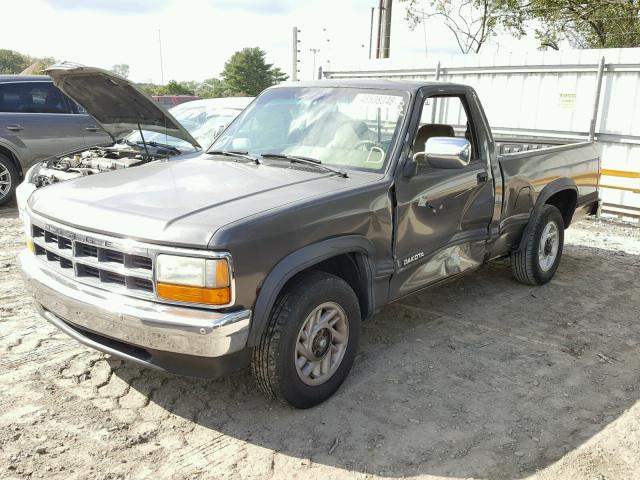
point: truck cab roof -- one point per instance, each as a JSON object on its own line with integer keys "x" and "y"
{"x": 374, "y": 83}
{"x": 24, "y": 78}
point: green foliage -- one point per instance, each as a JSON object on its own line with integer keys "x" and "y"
{"x": 580, "y": 23}
{"x": 247, "y": 72}
{"x": 587, "y": 24}
{"x": 172, "y": 88}
{"x": 472, "y": 22}
{"x": 12, "y": 62}
{"x": 214, "y": 88}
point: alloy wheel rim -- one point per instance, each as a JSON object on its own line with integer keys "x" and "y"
{"x": 5, "y": 181}
{"x": 548, "y": 246}
{"x": 321, "y": 343}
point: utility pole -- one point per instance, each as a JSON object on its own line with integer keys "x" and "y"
{"x": 384, "y": 29}
{"x": 379, "y": 37}
{"x": 371, "y": 34}
{"x": 296, "y": 50}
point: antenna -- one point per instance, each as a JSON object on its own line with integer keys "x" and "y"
{"x": 161, "y": 66}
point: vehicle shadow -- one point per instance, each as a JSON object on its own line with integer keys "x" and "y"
{"x": 9, "y": 210}
{"x": 481, "y": 377}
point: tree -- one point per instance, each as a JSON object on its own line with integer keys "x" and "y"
{"x": 13, "y": 62}
{"x": 586, "y": 24}
{"x": 247, "y": 72}
{"x": 472, "y": 22}
{"x": 214, "y": 88}
{"x": 121, "y": 69}
{"x": 174, "y": 88}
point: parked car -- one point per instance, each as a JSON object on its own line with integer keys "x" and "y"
{"x": 182, "y": 131}
{"x": 203, "y": 119}
{"x": 36, "y": 121}
{"x": 169, "y": 101}
{"x": 321, "y": 203}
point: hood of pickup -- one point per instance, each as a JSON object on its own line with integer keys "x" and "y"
{"x": 182, "y": 202}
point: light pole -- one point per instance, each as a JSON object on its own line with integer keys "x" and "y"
{"x": 314, "y": 51}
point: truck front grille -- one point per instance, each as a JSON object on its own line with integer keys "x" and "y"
{"x": 94, "y": 260}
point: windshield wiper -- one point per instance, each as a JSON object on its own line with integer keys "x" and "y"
{"x": 159, "y": 145}
{"x": 306, "y": 161}
{"x": 236, "y": 153}
{"x": 164, "y": 145}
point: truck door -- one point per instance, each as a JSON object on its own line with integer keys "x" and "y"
{"x": 442, "y": 214}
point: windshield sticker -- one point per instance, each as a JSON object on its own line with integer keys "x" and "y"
{"x": 377, "y": 100}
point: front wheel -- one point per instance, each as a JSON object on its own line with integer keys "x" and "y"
{"x": 537, "y": 261}
{"x": 8, "y": 179}
{"x": 309, "y": 345}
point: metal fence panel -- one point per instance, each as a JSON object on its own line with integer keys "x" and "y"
{"x": 548, "y": 94}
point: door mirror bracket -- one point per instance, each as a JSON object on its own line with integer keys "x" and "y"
{"x": 410, "y": 168}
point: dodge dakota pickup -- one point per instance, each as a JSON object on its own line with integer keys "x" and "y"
{"x": 319, "y": 204}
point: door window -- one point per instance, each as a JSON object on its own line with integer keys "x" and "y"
{"x": 32, "y": 97}
{"x": 443, "y": 116}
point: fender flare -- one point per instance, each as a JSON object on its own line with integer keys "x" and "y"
{"x": 301, "y": 260}
{"x": 545, "y": 194}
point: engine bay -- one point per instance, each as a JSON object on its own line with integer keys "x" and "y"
{"x": 99, "y": 159}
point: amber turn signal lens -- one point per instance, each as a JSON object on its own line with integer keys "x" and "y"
{"x": 222, "y": 274}
{"x": 182, "y": 293}
{"x": 30, "y": 245}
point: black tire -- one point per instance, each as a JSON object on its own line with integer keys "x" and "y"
{"x": 273, "y": 360}
{"x": 7, "y": 167}
{"x": 526, "y": 263}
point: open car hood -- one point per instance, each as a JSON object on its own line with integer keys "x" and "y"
{"x": 116, "y": 103}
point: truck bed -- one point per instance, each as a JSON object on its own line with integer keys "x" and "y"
{"x": 527, "y": 168}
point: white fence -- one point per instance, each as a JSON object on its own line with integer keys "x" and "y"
{"x": 550, "y": 95}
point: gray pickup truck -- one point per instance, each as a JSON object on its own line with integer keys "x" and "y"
{"x": 320, "y": 204}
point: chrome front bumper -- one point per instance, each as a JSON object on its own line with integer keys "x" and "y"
{"x": 75, "y": 307}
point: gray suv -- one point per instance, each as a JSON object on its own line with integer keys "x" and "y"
{"x": 37, "y": 121}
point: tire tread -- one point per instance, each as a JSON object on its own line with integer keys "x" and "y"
{"x": 266, "y": 363}
{"x": 524, "y": 259}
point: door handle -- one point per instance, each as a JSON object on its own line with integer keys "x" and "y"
{"x": 91, "y": 128}
{"x": 482, "y": 177}
{"x": 15, "y": 128}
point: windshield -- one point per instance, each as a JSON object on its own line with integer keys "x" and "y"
{"x": 204, "y": 122}
{"x": 347, "y": 127}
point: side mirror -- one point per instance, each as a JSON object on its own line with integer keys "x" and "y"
{"x": 410, "y": 168}
{"x": 447, "y": 152}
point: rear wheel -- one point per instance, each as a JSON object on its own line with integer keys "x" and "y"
{"x": 536, "y": 263}
{"x": 8, "y": 179}
{"x": 309, "y": 345}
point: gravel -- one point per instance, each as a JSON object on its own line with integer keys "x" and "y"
{"x": 480, "y": 378}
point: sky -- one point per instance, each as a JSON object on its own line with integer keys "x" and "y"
{"x": 199, "y": 36}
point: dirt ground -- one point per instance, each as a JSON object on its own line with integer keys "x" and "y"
{"x": 481, "y": 378}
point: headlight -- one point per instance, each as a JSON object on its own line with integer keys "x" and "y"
{"x": 193, "y": 280}
{"x": 28, "y": 177}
